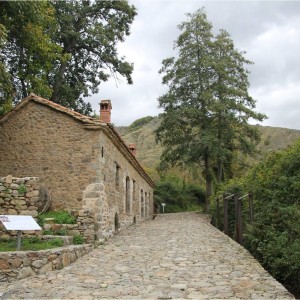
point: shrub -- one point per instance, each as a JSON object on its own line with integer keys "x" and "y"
{"x": 56, "y": 242}
{"x": 178, "y": 196}
{"x": 78, "y": 239}
{"x": 60, "y": 217}
{"x": 274, "y": 236}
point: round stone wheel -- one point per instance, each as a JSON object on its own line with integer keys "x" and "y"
{"x": 44, "y": 200}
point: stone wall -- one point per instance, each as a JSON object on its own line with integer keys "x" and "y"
{"x": 18, "y": 196}
{"x": 70, "y": 159}
{"x": 39, "y": 141}
{"x": 18, "y": 265}
{"x": 121, "y": 181}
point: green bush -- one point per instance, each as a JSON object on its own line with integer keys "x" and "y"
{"x": 78, "y": 239}
{"x": 178, "y": 196}
{"x": 57, "y": 242}
{"x": 274, "y": 236}
{"x": 60, "y": 217}
{"x": 33, "y": 243}
{"x": 61, "y": 231}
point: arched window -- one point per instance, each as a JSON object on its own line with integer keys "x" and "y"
{"x": 146, "y": 205}
{"x": 116, "y": 223}
{"x": 142, "y": 204}
{"x": 133, "y": 192}
{"x": 117, "y": 178}
{"x": 127, "y": 204}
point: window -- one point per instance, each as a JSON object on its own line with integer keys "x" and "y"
{"x": 133, "y": 191}
{"x": 142, "y": 204}
{"x": 146, "y": 204}
{"x": 102, "y": 152}
{"x": 127, "y": 204}
{"x": 117, "y": 176}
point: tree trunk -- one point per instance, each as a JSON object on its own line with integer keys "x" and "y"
{"x": 220, "y": 171}
{"x": 58, "y": 81}
{"x": 209, "y": 182}
{"x": 62, "y": 69}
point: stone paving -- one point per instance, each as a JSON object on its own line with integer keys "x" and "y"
{"x": 176, "y": 256}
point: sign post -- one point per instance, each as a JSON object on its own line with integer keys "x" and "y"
{"x": 19, "y": 223}
{"x": 19, "y": 240}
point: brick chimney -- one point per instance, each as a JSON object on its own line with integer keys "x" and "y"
{"x": 132, "y": 148}
{"x": 105, "y": 111}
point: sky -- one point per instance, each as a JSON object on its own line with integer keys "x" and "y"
{"x": 269, "y": 32}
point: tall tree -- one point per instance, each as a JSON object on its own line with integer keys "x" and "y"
{"x": 89, "y": 34}
{"x": 29, "y": 53}
{"x": 207, "y": 105}
{"x": 63, "y": 50}
{"x": 6, "y": 91}
{"x": 232, "y": 105}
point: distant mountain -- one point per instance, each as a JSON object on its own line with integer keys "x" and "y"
{"x": 141, "y": 132}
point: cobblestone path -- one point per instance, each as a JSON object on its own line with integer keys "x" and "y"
{"x": 176, "y": 256}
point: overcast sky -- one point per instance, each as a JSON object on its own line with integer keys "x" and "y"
{"x": 269, "y": 31}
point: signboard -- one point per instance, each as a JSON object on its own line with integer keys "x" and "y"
{"x": 19, "y": 223}
{"x": 12, "y": 222}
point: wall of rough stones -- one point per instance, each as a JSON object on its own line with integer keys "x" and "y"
{"x": 71, "y": 160}
{"x": 85, "y": 225}
{"x": 21, "y": 264}
{"x": 42, "y": 142}
{"x": 18, "y": 196}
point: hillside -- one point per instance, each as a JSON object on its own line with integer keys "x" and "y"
{"x": 148, "y": 151}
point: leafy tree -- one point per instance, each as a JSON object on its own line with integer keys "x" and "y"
{"x": 89, "y": 33}
{"x": 178, "y": 195}
{"x": 207, "y": 106}
{"x": 5, "y": 80}
{"x": 29, "y": 53}
{"x": 63, "y": 50}
{"x": 274, "y": 236}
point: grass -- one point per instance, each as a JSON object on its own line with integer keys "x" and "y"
{"x": 30, "y": 243}
{"x": 60, "y": 217}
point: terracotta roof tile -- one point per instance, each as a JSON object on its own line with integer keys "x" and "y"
{"x": 85, "y": 119}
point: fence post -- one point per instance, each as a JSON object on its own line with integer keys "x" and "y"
{"x": 218, "y": 212}
{"x": 251, "y": 217}
{"x": 225, "y": 204}
{"x": 238, "y": 219}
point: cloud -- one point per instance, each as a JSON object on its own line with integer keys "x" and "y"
{"x": 269, "y": 31}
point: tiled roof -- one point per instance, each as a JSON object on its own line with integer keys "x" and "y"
{"x": 91, "y": 122}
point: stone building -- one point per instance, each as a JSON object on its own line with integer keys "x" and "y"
{"x": 81, "y": 161}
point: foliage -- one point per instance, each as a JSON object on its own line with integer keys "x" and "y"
{"x": 78, "y": 239}
{"x": 60, "y": 217}
{"x": 63, "y": 50}
{"x": 57, "y": 242}
{"x": 274, "y": 237}
{"x": 140, "y": 122}
{"x": 207, "y": 106}
{"x": 61, "y": 231}
{"x": 29, "y": 52}
{"x": 30, "y": 243}
{"x": 6, "y": 90}
{"x": 178, "y": 196}
{"x": 22, "y": 189}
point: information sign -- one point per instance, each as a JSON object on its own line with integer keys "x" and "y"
{"x": 19, "y": 223}
{"x": 12, "y": 222}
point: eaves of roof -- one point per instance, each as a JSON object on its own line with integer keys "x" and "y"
{"x": 90, "y": 124}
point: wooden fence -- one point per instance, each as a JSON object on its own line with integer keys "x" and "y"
{"x": 237, "y": 215}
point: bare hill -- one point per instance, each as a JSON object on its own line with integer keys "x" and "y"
{"x": 141, "y": 132}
